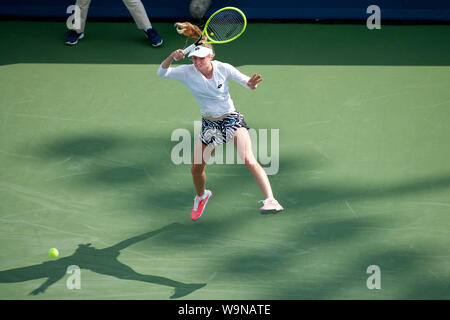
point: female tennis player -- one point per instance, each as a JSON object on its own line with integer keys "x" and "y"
{"x": 221, "y": 122}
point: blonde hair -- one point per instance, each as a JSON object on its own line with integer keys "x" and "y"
{"x": 191, "y": 31}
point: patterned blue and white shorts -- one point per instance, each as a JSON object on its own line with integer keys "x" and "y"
{"x": 217, "y": 132}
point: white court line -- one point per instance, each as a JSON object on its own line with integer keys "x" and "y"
{"x": 45, "y": 117}
{"x": 431, "y": 203}
{"x": 438, "y": 104}
{"x": 318, "y": 149}
{"x": 40, "y": 198}
{"x": 19, "y": 155}
{"x": 312, "y": 123}
{"x": 353, "y": 211}
{"x": 45, "y": 227}
{"x": 67, "y": 175}
{"x": 212, "y": 276}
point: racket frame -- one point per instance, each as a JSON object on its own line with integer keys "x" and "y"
{"x": 205, "y": 33}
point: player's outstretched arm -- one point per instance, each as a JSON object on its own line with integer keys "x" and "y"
{"x": 51, "y": 280}
{"x": 252, "y": 83}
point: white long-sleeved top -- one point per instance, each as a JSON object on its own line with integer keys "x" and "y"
{"x": 212, "y": 94}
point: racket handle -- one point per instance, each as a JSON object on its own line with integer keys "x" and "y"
{"x": 187, "y": 50}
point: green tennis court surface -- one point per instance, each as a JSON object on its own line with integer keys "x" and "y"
{"x": 85, "y": 154}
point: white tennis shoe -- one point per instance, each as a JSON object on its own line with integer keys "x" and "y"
{"x": 270, "y": 205}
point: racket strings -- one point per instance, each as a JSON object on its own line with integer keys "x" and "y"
{"x": 225, "y": 25}
{"x": 225, "y": 29}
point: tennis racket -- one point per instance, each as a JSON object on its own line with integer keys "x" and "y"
{"x": 223, "y": 26}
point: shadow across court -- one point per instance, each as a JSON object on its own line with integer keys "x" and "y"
{"x": 261, "y": 44}
{"x": 309, "y": 208}
{"x": 103, "y": 261}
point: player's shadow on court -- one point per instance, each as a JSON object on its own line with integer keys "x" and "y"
{"x": 102, "y": 261}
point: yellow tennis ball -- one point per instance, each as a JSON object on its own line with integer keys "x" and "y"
{"x": 53, "y": 252}
{"x": 212, "y": 33}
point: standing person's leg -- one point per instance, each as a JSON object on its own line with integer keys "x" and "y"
{"x": 243, "y": 145}
{"x": 138, "y": 13}
{"x": 142, "y": 21}
{"x": 84, "y": 8}
{"x": 74, "y": 35}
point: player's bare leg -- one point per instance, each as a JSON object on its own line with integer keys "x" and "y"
{"x": 243, "y": 145}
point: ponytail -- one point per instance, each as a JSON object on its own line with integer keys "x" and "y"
{"x": 191, "y": 31}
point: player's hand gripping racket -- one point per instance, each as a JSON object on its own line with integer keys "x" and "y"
{"x": 223, "y": 26}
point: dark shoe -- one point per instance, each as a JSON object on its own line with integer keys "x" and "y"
{"x": 154, "y": 37}
{"x": 73, "y": 37}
